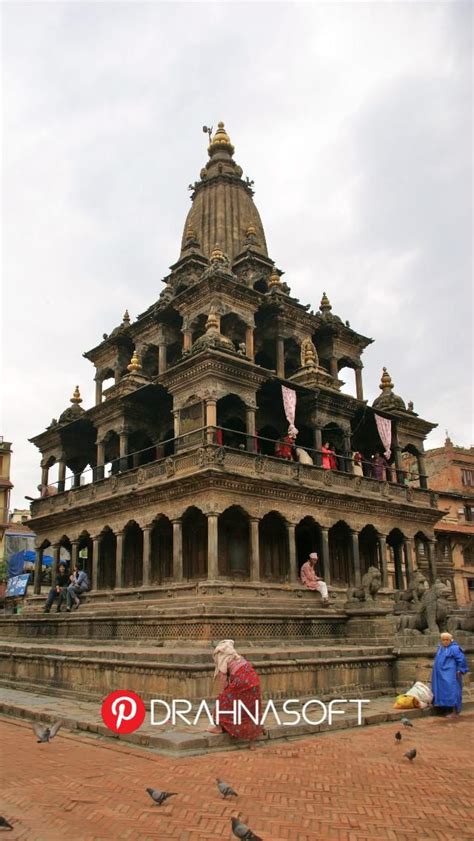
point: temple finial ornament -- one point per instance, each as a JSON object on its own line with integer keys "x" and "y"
{"x": 126, "y": 318}
{"x": 217, "y": 255}
{"x": 309, "y": 356}
{"x": 274, "y": 279}
{"x": 220, "y": 141}
{"x": 325, "y": 305}
{"x": 135, "y": 363}
{"x": 386, "y": 381}
{"x": 76, "y": 397}
{"x": 212, "y": 322}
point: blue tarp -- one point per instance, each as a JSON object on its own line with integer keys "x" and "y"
{"x": 16, "y": 562}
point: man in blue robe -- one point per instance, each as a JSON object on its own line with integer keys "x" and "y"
{"x": 446, "y": 681}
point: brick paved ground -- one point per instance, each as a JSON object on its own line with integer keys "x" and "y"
{"x": 342, "y": 786}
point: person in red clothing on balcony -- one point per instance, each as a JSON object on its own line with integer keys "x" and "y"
{"x": 329, "y": 457}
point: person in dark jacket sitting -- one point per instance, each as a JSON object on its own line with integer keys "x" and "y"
{"x": 59, "y": 590}
{"x": 79, "y": 584}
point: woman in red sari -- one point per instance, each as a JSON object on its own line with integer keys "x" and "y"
{"x": 237, "y": 681}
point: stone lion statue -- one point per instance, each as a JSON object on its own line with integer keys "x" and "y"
{"x": 409, "y": 599}
{"x": 462, "y": 623}
{"x": 431, "y": 611}
{"x": 371, "y": 584}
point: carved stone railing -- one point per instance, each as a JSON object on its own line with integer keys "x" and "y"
{"x": 226, "y": 460}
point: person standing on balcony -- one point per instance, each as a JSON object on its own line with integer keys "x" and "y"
{"x": 311, "y": 580}
{"x": 329, "y": 461}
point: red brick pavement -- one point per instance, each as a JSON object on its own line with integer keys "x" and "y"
{"x": 350, "y": 785}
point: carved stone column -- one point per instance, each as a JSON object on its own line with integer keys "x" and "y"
{"x": 249, "y": 343}
{"x": 99, "y": 470}
{"x": 432, "y": 560}
{"x": 422, "y": 471}
{"x": 333, "y": 368}
{"x": 187, "y": 340}
{"x": 177, "y": 550}
{"x": 382, "y": 539}
{"x": 146, "y": 555}
{"x": 359, "y": 387}
{"x": 250, "y": 412}
{"x": 348, "y": 466}
{"x": 280, "y": 357}
{"x": 293, "y": 572}
{"x": 162, "y": 361}
{"x": 356, "y": 557}
{"x": 44, "y": 476}
{"x": 74, "y": 552}
{"x": 95, "y": 561}
{"x": 119, "y": 561}
{"x": 123, "y": 449}
{"x": 61, "y": 475}
{"x": 98, "y": 391}
{"x": 38, "y": 570}
{"x": 318, "y": 443}
{"x": 212, "y": 547}
{"x": 326, "y": 567}
{"x": 408, "y": 560}
{"x": 254, "y": 550}
{"x": 211, "y": 419}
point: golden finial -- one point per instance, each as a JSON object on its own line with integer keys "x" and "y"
{"x": 221, "y": 140}
{"x": 212, "y": 322}
{"x": 325, "y": 305}
{"x": 386, "y": 381}
{"x": 126, "y": 318}
{"x": 76, "y": 397}
{"x": 217, "y": 255}
{"x": 135, "y": 363}
{"x": 274, "y": 278}
{"x": 190, "y": 232}
{"x": 251, "y": 231}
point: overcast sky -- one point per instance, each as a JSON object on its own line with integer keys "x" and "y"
{"x": 354, "y": 120}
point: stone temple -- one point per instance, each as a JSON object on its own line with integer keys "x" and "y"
{"x": 173, "y": 491}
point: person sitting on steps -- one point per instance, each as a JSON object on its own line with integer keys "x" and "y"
{"x": 79, "y": 584}
{"x": 59, "y": 590}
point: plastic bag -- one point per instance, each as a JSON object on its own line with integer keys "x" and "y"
{"x": 406, "y": 702}
{"x": 422, "y": 692}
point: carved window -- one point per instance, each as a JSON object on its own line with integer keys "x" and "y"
{"x": 467, "y": 477}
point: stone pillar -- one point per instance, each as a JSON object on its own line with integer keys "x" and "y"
{"x": 422, "y": 471}
{"x": 61, "y": 475}
{"x": 98, "y": 391}
{"x": 176, "y": 423}
{"x": 177, "y": 550}
{"x": 347, "y": 466}
{"x": 38, "y": 559}
{"x": 119, "y": 561}
{"x": 382, "y": 538}
{"x": 44, "y": 476}
{"x": 293, "y": 572}
{"x": 99, "y": 470}
{"x": 123, "y": 447}
{"x": 318, "y": 443}
{"x": 187, "y": 340}
{"x": 280, "y": 357}
{"x": 333, "y": 368}
{"x": 432, "y": 560}
{"x": 74, "y": 553}
{"x": 212, "y": 547}
{"x": 359, "y": 387}
{"x": 146, "y": 555}
{"x": 211, "y": 419}
{"x": 408, "y": 561}
{"x": 249, "y": 343}
{"x": 76, "y": 480}
{"x": 397, "y": 453}
{"x": 54, "y": 568}
{"x": 95, "y": 561}
{"x": 162, "y": 362}
{"x": 356, "y": 558}
{"x": 326, "y": 568}
{"x": 250, "y": 412}
{"x": 254, "y": 550}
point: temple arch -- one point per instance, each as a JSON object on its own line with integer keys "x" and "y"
{"x": 308, "y": 539}
{"x": 161, "y": 546}
{"x": 340, "y": 554}
{"x": 194, "y": 526}
{"x": 132, "y": 555}
{"x": 274, "y": 554}
{"x": 107, "y": 559}
{"x": 395, "y": 540}
{"x": 233, "y": 541}
{"x": 368, "y": 548}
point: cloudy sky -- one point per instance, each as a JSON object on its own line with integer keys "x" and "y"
{"x": 354, "y": 120}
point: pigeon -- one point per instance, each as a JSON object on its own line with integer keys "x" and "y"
{"x": 410, "y": 754}
{"x": 240, "y": 830}
{"x": 4, "y": 823}
{"x": 45, "y": 734}
{"x": 225, "y": 790}
{"x": 160, "y": 796}
{"x": 406, "y": 722}
{"x": 398, "y": 736}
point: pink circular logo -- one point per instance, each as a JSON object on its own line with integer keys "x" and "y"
{"x": 123, "y": 711}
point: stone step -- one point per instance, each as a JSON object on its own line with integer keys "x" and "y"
{"x": 182, "y": 740}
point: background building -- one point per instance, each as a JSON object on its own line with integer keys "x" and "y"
{"x": 5, "y": 490}
{"x": 450, "y": 472}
